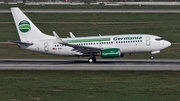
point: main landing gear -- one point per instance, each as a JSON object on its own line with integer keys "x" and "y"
{"x": 92, "y": 59}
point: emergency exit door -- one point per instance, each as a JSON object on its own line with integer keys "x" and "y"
{"x": 148, "y": 41}
{"x": 46, "y": 47}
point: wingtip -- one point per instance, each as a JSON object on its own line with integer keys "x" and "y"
{"x": 54, "y": 33}
{"x": 72, "y": 35}
{"x": 57, "y": 37}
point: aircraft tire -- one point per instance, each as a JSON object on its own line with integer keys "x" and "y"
{"x": 152, "y": 57}
{"x": 92, "y": 60}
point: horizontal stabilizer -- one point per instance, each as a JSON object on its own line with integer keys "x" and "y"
{"x": 19, "y": 42}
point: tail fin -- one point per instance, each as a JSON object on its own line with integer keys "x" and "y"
{"x": 26, "y": 29}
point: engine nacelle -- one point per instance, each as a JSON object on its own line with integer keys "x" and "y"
{"x": 111, "y": 53}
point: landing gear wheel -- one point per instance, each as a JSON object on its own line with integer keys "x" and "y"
{"x": 91, "y": 60}
{"x": 152, "y": 57}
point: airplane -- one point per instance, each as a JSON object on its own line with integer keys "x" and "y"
{"x": 110, "y": 46}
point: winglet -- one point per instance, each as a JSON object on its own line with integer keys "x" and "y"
{"x": 59, "y": 40}
{"x": 72, "y": 35}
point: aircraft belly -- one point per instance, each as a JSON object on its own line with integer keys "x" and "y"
{"x": 133, "y": 48}
{"x": 62, "y": 51}
{"x": 31, "y": 47}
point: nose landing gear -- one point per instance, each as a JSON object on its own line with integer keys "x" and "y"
{"x": 154, "y": 52}
{"x": 152, "y": 57}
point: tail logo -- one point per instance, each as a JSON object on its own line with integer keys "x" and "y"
{"x": 24, "y": 26}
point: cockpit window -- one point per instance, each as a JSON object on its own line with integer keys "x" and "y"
{"x": 158, "y": 39}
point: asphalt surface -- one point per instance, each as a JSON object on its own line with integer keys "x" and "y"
{"x": 82, "y": 64}
{"x": 95, "y": 11}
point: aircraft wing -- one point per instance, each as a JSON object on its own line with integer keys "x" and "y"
{"x": 81, "y": 49}
{"x": 84, "y": 49}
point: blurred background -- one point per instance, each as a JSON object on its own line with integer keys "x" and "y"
{"x": 115, "y": 2}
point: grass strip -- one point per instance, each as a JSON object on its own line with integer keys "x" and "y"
{"x": 89, "y": 85}
{"x": 170, "y": 33}
{"x": 164, "y": 25}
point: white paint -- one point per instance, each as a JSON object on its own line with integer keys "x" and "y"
{"x": 55, "y": 45}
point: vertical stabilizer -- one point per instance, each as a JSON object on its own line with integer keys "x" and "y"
{"x": 26, "y": 29}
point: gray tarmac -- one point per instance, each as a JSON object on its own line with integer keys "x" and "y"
{"x": 95, "y": 11}
{"x": 82, "y": 64}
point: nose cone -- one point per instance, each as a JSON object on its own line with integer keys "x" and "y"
{"x": 167, "y": 44}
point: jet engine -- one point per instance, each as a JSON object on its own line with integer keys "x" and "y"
{"x": 111, "y": 53}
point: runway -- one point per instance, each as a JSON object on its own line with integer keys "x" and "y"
{"x": 95, "y": 11}
{"x": 82, "y": 64}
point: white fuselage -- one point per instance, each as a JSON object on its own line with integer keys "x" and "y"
{"x": 31, "y": 38}
{"x": 130, "y": 43}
